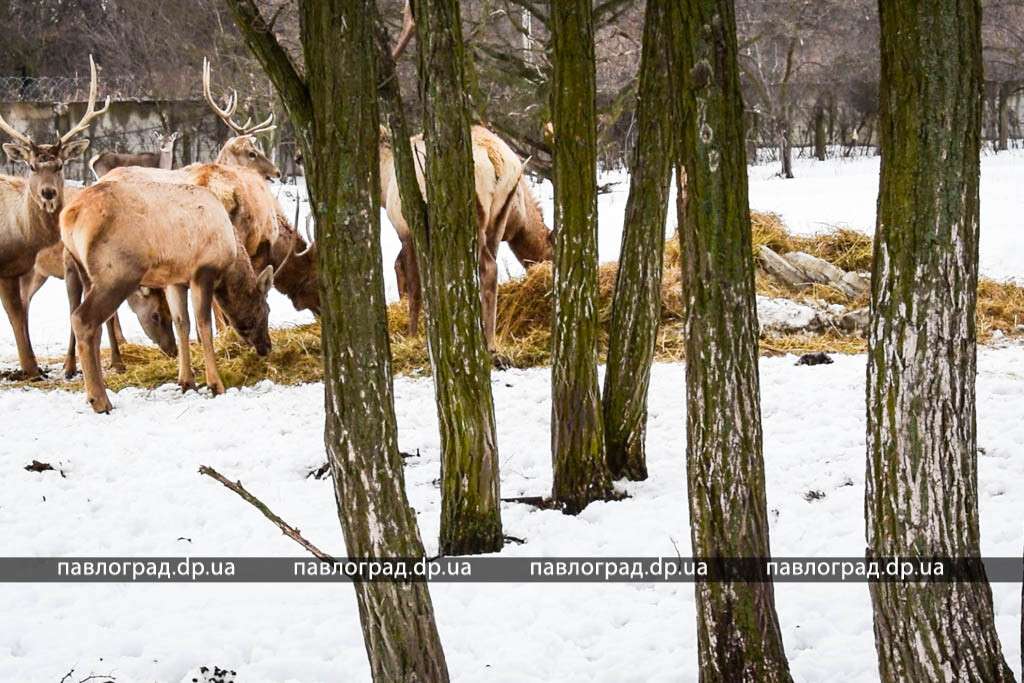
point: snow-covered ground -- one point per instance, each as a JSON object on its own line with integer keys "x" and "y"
{"x": 132, "y": 489}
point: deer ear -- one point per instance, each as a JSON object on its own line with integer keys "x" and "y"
{"x": 16, "y": 152}
{"x": 266, "y": 280}
{"x": 73, "y": 149}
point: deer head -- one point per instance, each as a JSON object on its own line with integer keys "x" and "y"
{"x": 244, "y": 149}
{"x": 165, "y": 141}
{"x": 46, "y": 161}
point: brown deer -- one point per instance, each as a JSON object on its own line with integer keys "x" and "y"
{"x": 238, "y": 180}
{"x": 104, "y": 162}
{"x": 503, "y": 199}
{"x": 244, "y": 149}
{"x": 126, "y": 234}
{"x": 149, "y": 305}
{"x": 29, "y": 208}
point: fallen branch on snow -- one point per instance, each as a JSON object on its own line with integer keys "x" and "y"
{"x": 286, "y": 528}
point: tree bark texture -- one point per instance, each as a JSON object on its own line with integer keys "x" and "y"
{"x": 738, "y": 630}
{"x": 921, "y": 493}
{"x": 335, "y": 113}
{"x": 577, "y": 437}
{"x": 636, "y": 306}
{"x": 448, "y": 251}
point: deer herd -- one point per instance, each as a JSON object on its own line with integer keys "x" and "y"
{"x": 154, "y": 236}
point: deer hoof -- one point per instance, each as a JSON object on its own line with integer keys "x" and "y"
{"x": 217, "y": 388}
{"x": 69, "y": 373}
{"x": 119, "y": 368}
{"x": 186, "y": 386}
{"x": 101, "y": 405}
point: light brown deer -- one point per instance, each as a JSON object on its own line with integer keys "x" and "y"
{"x": 238, "y": 180}
{"x": 503, "y": 199}
{"x": 28, "y": 213}
{"x": 127, "y": 234}
{"x": 244, "y": 149}
{"x": 149, "y": 305}
{"x": 104, "y": 162}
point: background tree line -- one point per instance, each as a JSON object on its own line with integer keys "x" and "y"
{"x": 809, "y": 69}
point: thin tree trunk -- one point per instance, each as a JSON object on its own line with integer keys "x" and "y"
{"x": 921, "y": 493}
{"x": 820, "y": 138}
{"x": 738, "y": 631}
{"x": 636, "y": 306}
{"x": 335, "y": 114}
{"x": 448, "y": 252}
{"x": 577, "y": 438}
{"x": 1003, "y": 116}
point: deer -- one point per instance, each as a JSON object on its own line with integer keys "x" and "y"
{"x": 29, "y": 209}
{"x": 149, "y": 305}
{"x": 104, "y": 162}
{"x": 123, "y": 235}
{"x": 238, "y": 179}
{"x": 244, "y": 148}
{"x": 505, "y": 209}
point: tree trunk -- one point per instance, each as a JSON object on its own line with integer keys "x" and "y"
{"x": 636, "y": 307}
{"x": 820, "y": 138}
{"x": 335, "y": 115}
{"x": 785, "y": 147}
{"x": 448, "y": 252}
{"x": 577, "y": 438}
{"x": 1003, "y": 114}
{"x": 737, "y": 628}
{"x": 921, "y": 490}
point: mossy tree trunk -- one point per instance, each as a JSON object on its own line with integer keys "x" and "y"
{"x": 448, "y": 253}
{"x": 334, "y": 110}
{"x": 738, "y": 630}
{"x": 636, "y": 306}
{"x": 577, "y": 437}
{"x": 921, "y": 493}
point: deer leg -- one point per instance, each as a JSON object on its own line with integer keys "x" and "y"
{"x": 414, "y": 289}
{"x": 202, "y": 300}
{"x": 99, "y": 304}
{"x": 489, "y": 294}
{"x": 115, "y": 322}
{"x": 30, "y": 284}
{"x": 403, "y": 286}
{"x": 178, "y": 302}
{"x": 10, "y": 293}
{"x": 73, "y": 286}
{"x": 116, "y": 363}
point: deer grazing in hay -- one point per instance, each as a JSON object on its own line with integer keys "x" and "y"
{"x": 238, "y": 178}
{"x": 29, "y": 209}
{"x": 104, "y": 162}
{"x": 149, "y": 305}
{"x": 506, "y": 211}
{"x": 123, "y": 235}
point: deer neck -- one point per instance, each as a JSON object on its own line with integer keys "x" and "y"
{"x": 167, "y": 158}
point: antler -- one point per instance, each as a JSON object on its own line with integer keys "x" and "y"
{"x": 6, "y": 127}
{"x": 90, "y": 110}
{"x": 310, "y": 237}
{"x": 225, "y": 113}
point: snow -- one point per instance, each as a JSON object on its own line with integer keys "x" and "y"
{"x": 132, "y": 489}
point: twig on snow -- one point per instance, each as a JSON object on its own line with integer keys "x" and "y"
{"x": 286, "y": 528}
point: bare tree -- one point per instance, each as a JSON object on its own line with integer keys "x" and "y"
{"x": 738, "y": 631}
{"x": 921, "y": 494}
{"x": 577, "y": 437}
{"x": 334, "y": 110}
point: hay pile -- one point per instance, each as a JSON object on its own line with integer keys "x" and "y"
{"x": 524, "y": 312}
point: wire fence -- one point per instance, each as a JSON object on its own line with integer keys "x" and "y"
{"x": 65, "y": 88}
